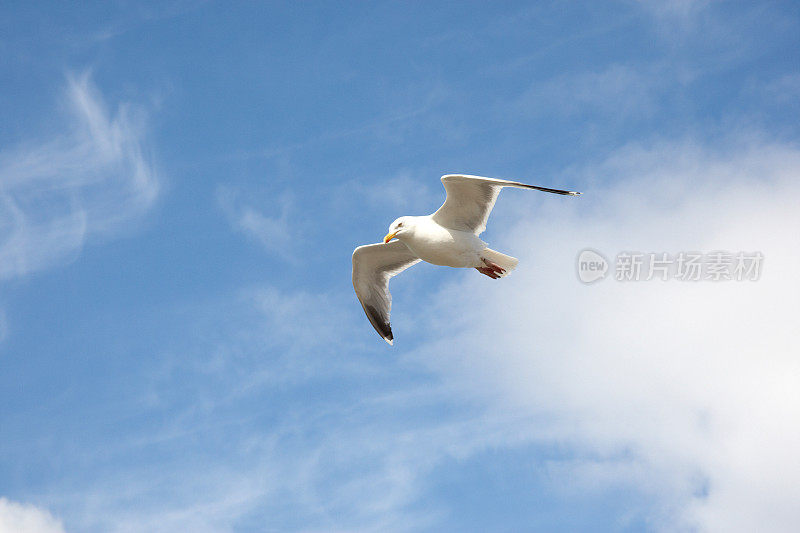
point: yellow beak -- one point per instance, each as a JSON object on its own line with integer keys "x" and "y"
{"x": 389, "y": 237}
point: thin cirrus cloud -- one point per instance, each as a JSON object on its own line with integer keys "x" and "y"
{"x": 620, "y": 91}
{"x": 275, "y": 232}
{"x": 90, "y": 179}
{"x": 406, "y": 190}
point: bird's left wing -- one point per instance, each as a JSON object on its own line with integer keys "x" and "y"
{"x": 373, "y": 266}
{"x": 470, "y": 200}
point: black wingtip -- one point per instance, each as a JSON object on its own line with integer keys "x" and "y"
{"x": 546, "y": 189}
{"x": 383, "y": 328}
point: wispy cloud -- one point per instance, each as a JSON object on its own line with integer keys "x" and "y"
{"x": 676, "y": 9}
{"x": 292, "y": 459}
{"x": 784, "y": 91}
{"x": 618, "y": 91}
{"x": 405, "y": 191}
{"x": 90, "y": 179}
{"x": 24, "y": 518}
{"x": 274, "y": 231}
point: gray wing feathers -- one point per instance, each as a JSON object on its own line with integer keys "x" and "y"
{"x": 468, "y": 204}
{"x": 373, "y": 266}
{"x": 470, "y": 200}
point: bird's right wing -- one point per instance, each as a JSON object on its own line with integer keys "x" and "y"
{"x": 373, "y": 266}
{"x": 470, "y": 200}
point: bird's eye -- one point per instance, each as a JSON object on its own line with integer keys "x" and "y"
{"x": 399, "y": 224}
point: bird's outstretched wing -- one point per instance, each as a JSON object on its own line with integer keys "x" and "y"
{"x": 470, "y": 200}
{"x": 373, "y": 266}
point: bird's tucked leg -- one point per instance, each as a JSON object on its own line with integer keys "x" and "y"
{"x": 493, "y": 266}
{"x": 493, "y": 270}
{"x": 487, "y": 272}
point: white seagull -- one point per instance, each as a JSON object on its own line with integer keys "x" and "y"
{"x": 448, "y": 237}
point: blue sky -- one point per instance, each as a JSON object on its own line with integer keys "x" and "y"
{"x": 181, "y": 188}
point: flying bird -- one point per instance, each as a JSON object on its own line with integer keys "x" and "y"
{"x": 448, "y": 237}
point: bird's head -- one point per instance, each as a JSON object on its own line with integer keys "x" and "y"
{"x": 398, "y": 228}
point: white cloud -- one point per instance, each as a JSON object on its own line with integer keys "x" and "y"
{"x": 684, "y": 391}
{"x": 275, "y": 232}
{"x": 23, "y": 518}
{"x": 90, "y": 179}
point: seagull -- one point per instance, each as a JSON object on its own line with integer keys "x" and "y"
{"x": 448, "y": 237}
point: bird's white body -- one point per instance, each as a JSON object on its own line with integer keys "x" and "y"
{"x": 448, "y": 237}
{"x": 442, "y": 246}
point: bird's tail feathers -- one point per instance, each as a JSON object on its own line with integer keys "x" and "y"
{"x": 506, "y": 262}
